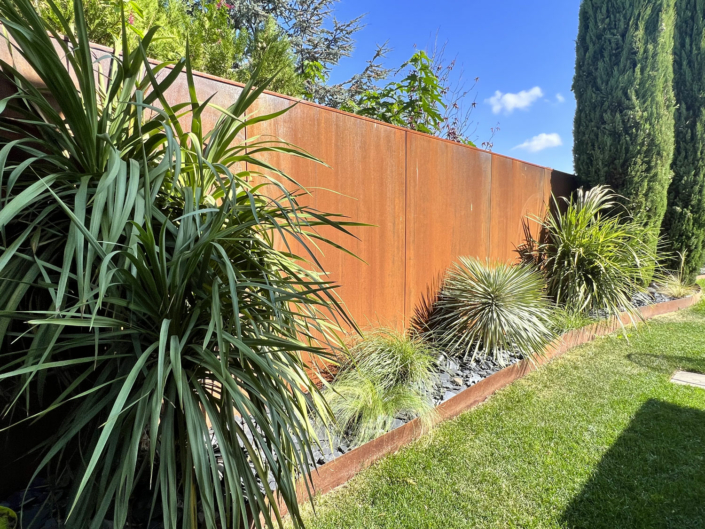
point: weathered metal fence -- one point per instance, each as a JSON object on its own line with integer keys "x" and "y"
{"x": 430, "y": 200}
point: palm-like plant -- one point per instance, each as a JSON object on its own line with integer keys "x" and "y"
{"x": 489, "y": 308}
{"x": 594, "y": 255}
{"x": 142, "y": 295}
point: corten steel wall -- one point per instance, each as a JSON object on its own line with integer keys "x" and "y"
{"x": 430, "y": 200}
{"x": 365, "y": 181}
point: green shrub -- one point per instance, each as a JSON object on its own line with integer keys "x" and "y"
{"x": 387, "y": 375}
{"x": 216, "y": 46}
{"x": 394, "y": 358}
{"x": 486, "y": 308}
{"x": 364, "y": 408}
{"x": 142, "y": 297}
{"x": 422, "y": 100}
{"x": 595, "y": 256}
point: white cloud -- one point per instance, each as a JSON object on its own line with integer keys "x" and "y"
{"x": 510, "y": 102}
{"x": 541, "y": 142}
{"x": 560, "y": 98}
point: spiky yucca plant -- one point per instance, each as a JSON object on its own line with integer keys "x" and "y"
{"x": 142, "y": 296}
{"x": 594, "y": 255}
{"x": 485, "y": 308}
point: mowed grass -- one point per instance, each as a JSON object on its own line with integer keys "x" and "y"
{"x": 598, "y": 438}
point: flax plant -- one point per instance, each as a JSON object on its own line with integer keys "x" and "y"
{"x": 142, "y": 296}
{"x": 595, "y": 256}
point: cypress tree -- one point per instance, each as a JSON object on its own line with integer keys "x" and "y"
{"x": 623, "y": 130}
{"x": 684, "y": 223}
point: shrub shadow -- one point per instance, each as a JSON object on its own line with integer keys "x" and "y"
{"x": 668, "y": 364}
{"x": 425, "y": 308}
{"x": 652, "y": 476}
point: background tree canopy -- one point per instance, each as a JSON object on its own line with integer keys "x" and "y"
{"x": 302, "y": 42}
{"x": 230, "y": 38}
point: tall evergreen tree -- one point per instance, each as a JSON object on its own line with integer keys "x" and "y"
{"x": 684, "y": 223}
{"x": 624, "y": 120}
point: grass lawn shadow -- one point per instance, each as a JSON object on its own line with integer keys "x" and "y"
{"x": 652, "y": 476}
{"x": 668, "y": 364}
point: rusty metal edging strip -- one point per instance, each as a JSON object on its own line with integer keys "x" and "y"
{"x": 342, "y": 469}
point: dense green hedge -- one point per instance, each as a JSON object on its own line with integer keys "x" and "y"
{"x": 684, "y": 223}
{"x": 625, "y": 106}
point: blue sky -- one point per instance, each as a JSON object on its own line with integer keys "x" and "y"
{"x": 525, "y": 50}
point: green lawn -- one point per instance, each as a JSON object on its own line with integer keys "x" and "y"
{"x": 598, "y": 438}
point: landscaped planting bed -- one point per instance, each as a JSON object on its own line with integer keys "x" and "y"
{"x": 161, "y": 335}
{"x": 341, "y": 464}
{"x": 600, "y": 438}
{"x": 486, "y": 378}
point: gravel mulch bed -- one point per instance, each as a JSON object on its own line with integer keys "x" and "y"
{"x": 458, "y": 374}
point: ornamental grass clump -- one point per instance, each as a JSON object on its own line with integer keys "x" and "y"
{"x": 388, "y": 375}
{"x": 675, "y": 283}
{"x": 485, "y": 309}
{"x": 565, "y": 319}
{"x": 144, "y": 303}
{"x": 396, "y": 358}
{"x": 595, "y": 255}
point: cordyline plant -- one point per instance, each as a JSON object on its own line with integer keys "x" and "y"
{"x": 595, "y": 255}
{"x": 142, "y": 295}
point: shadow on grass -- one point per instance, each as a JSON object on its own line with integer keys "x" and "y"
{"x": 668, "y": 364}
{"x": 652, "y": 476}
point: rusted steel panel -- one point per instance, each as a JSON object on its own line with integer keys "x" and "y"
{"x": 447, "y": 211}
{"x": 518, "y": 191}
{"x": 364, "y": 181}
